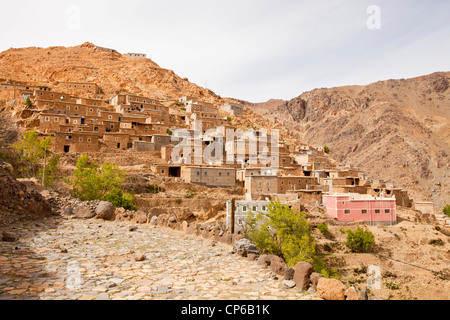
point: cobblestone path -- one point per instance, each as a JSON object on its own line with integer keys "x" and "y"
{"x": 67, "y": 259}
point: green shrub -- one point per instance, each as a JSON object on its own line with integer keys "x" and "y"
{"x": 326, "y": 149}
{"x": 446, "y": 210}
{"x": 436, "y": 242}
{"x": 320, "y": 266}
{"x": 229, "y": 119}
{"x": 154, "y": 188}
{"x": 391, "y": 285}
{"x": 360, "y": 239}
{"x": 323, "y": 228}
{"x": 121, "y": 200}
{"x": 28, "y": 102}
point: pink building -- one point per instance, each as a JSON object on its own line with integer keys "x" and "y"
{"x": 356, "y": 207}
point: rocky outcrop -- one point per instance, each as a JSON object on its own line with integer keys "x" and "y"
{"x": 16, "y": 203}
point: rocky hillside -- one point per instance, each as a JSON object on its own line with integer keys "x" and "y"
{"x": 16, "y": 202}
{"x": 397, "y": 130}
{"x": 114, "y": 72}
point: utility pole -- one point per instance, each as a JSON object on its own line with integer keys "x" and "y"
{"x": 233, "y": 206}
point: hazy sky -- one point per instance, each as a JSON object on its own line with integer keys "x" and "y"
{"x": 249, "y": 49}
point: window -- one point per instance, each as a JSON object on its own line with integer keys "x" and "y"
{"x": 387, "y": 211}
{"x": 244, "y": 208}
{"x": 364, "y": 211}
{"x": 89, "y": 140}
{"x": 81, "y": 139}
{"x": 377, "y": 210}
{"x": 91, "y": 110}
{"x": 198, "y": 173}
{"x": 47, "y": 118}
{"x": 110, "y": 117}
{"x": 255, "y": 208}
{"x": 112, "y": 126}
{"x": 68, "y": 137}
{"x": 56, "y": 119}
{"x": 347, "y": 211}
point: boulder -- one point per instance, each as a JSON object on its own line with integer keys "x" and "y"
{"x": 184, "y": 225}
{"x": 154, "y": 220}
{"x": 105, "y": 210}
{"x": 139, "y": 257}
{"x": 8, "y": 236}
{"x": 289, "y": 283}
{"x": 330, "y": 289}
{"x": 351, "y": 294}
{"x": 289, "y": 273}
{"x": 314, "y": 279}
{"x": 83, "y": 212}
{"x": 302, "y": 273}
{"x": 226, "y": 238}
{"x": 264, "y": 260}
{"x": 252, "y": 257}
{"x": 140, "y": 217}
{"x": 244, "y": 247}
{"x": 277, "y": 265}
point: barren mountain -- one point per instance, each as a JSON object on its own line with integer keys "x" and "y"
{"x": 396, "y": 130}
{"x": 113, "y": 71}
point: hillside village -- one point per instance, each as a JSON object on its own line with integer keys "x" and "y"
{"x": 194, "y": 145}
{"x": 81, "y": 119}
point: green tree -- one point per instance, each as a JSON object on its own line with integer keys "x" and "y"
{"x": 28, "y": 102}
{"x": 92, "y": 182}
{"x": 31, "y": 150}
{"x": 49, "y": 172}
{"x": 282, "y": 232}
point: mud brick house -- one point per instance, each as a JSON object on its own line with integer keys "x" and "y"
{"x": 156, "y": 142}
{"x": 360, "y": 207}
{"x": 52, "y": 95}
{"x": 209, "y": 176}
{"x": 132, "y": 55}
{"x": 92, "y": 102}
{"x": 75, "y": 142}
{"x": 272, "y": 184}
{"x": 80, "y": 87}
{"x": 203, "y": 107}
{"x": 232, "y": 108}
{"x": 51, "y": 122}
{"x": 116, "y": 140}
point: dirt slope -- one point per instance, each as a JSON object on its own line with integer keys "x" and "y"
{"x": 114, "y": 72}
